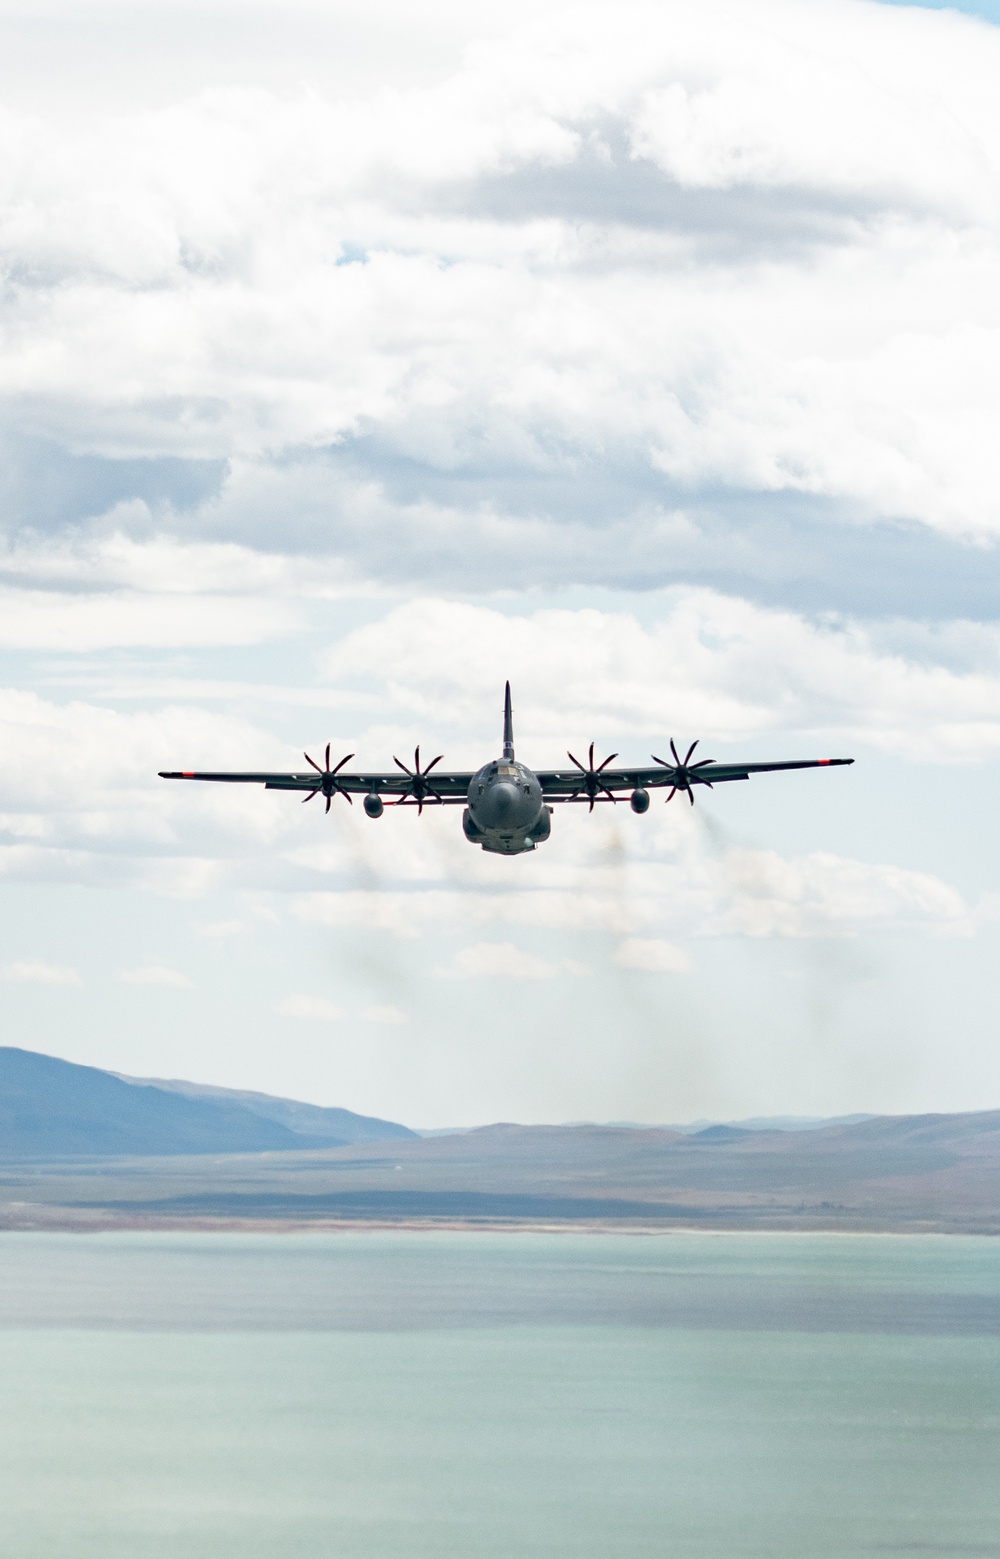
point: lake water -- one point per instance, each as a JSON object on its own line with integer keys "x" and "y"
{"x": 395, "y": 1396}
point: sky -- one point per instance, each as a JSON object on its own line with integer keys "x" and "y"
{"x": 355, "y": 358}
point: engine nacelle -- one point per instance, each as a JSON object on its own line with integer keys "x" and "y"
{"x": 373, "y": 805}
{"x": 639, "y": 800}
{"x": 543, "y": 827}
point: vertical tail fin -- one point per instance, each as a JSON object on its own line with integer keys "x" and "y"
{"x": 508, "y": 726}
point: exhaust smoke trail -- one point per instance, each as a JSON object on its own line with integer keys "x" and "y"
{"x": 828, "y": 968}
{"x": 669, "y": 1051}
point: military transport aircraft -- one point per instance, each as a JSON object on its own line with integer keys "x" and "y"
{"x": 507, "y": 807}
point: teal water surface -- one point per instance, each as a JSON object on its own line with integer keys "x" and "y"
{"x": 356, "y": 1397}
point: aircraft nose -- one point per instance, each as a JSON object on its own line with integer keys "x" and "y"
{"x": 504, "y": 799}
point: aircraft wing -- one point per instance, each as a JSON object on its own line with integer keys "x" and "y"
{"x": 447, "y": 788}
{"x": 570, "y": 784}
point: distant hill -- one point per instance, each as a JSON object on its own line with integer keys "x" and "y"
{"x": 913, "y": 1173}
{"x": 52, "y": 1109}
{"x": 313, "y": 1125}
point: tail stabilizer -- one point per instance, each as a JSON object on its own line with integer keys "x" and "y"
{"x": 508, "y": 727}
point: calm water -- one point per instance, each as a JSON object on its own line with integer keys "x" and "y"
{"x": 368, "y": 1396}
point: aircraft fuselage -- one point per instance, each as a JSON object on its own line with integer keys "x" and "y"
{"x": 506, "y": 813}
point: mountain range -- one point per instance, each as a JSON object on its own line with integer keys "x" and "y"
{"x": 81, "y": 1148}
{"x": 52, "y": 1109}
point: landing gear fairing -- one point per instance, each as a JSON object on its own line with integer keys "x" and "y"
{"x": 508, "y": 807}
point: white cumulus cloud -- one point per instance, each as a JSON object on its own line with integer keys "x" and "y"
{"x": 712, "y": 666}
{"x": 35, "y": 972}
{"x": 822, "y": 893}
{"x": 498, "y": 960}
{"x": 156, "y": 974}
{"x": 749, "y": 244}
{"x": 652, "y": 955}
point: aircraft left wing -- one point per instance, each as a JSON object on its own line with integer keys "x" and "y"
{"x": 419, "y": 786}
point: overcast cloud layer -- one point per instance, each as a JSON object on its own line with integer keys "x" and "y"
{"x": 646, "y": 355}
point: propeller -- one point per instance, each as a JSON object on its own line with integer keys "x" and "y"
{"x": 328, "y": 782}
{"x": 591, "y": 781}
{"x": 685, "y": 773}
{"x": 419, "y": 789}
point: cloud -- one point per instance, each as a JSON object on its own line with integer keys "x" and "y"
{"x": 314, "y": 1009}
{"x": 50, "y": 621}
{"x": 786, "y": 108}
{"x": 652, "y": 955}
{"x": 821, "y": 894}
{"x": 82, "y": 798}
{"x": 35, "y": 972}
{"x": 385, "y": 1015}
{"x": 664, "y": 880}
{"x": 504, "y": 961}
{"x": 720, "y": 248}
{"x": 87, "y": 592}
{"x": 402, "y": 913}
{"x": 603, "y": 519}
{"x": 156, "y": 974}
{"x": 497, "y": 960}
{"x": 715, "y": 666}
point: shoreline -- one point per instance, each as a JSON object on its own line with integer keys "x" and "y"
{"x": 78, "y": 1221}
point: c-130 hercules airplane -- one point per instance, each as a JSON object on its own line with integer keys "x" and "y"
{"x": 508, "y": 807}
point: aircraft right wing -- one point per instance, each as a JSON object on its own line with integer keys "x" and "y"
{"x": 603, "y": 782}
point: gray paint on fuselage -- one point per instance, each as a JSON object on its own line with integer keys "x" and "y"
{"x": 506, "y": 812}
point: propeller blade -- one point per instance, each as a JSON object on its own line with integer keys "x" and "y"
{"x": 577, "y": 762}
{"x": 610, "y": 794}
{"x": 606, "y": 762}
{"x": 346, "y": 794}
{"x": 340, "y": 765}
{"x": 416, "y": 760}
{"x": 673, "y": 749}
{"x": 591, "y": 757}
{"x": 310, "y": 796}
{"x": 433, "y": 761}
{"x": 403, "y": 767}
{"x": 328, "y": 801}
{"x": 690, "y": 750}
{"x": 310, "y": 760}
{"x": 328, "y": 745}
{"x": 691, "y": 796}
{"x": 591, "y": 807}
{"x": 662, "y": 761}
{"x": 672, "y": 794}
